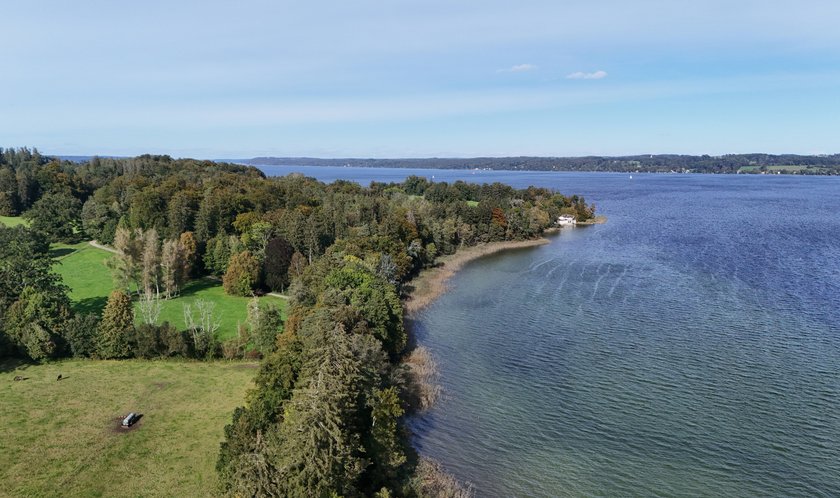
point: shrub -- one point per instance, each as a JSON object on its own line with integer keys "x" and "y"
{"x": 147, "y": 341}
{"x": 174, "y": 342}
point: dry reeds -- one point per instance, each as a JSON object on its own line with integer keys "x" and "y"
{"x": 434, "y": 482}
{"x": 423, "y": 385}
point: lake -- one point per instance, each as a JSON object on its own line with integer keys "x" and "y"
{"x": 690, "y": 346}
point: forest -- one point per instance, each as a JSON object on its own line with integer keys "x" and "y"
{"x": 646, "y": 163}
{"x": 325, "y": 417}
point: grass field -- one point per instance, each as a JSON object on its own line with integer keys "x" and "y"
{"x": 774, "y": 169}
{"x": 63, "y": 438}
{"x": 83, "y": 269}
{"x": 12, "y": 221}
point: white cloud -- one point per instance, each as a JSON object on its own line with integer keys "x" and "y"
{"x": 580, "y": 75}
{"x": 519, "y": 68}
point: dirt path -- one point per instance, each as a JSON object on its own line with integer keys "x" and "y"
{"x": 104, "y": 248}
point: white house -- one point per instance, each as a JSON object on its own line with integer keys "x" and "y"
{"x": 566, "y": 220}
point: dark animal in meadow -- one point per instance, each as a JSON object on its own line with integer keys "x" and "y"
{"x": 20, "y": 377}
{"x": 59, "y": 377}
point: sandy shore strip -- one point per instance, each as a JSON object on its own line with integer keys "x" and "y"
{"x": 431, "y": 283}
{"x": 598, "y": 220}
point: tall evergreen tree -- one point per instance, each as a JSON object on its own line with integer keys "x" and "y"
{"x": 116, "y": 327}
{"x": 320, "y": 447}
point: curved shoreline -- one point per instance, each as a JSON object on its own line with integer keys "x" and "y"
{"x": 426, "y": 287}
{"x": 431, "y": 283}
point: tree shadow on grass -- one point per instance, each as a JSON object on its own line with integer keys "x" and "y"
{"x": 197, "y": 286}
{"x": 91, "y": 305}
{"x": 12, "y": 364}
{"x": 61, "y": 252}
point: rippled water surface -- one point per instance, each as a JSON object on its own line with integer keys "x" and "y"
{"x": 690, "y": 346}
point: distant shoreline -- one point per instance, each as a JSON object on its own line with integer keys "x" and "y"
{"x": 793, "y": 164}
{"x": 431, "y": 283}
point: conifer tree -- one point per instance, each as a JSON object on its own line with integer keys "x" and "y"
{"x": 116, "y": 327}
{"x": 321, "y": 450}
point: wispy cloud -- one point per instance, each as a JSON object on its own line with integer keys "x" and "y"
{"x": 580, "y": 75}
{"x": 519, "y": 68}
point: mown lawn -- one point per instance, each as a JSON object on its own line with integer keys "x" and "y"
{"x": 62, "y": 438}
{"x": 12, "y": 221}
{"x": 230, "y": 310}
{"x": 83, "y": 269}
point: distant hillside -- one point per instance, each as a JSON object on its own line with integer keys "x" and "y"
{"x": 661, "y": 163}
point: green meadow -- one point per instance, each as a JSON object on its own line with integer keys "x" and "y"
{"x": 63, "y": 438}
{"x": 82, "y": 267}
{"x": 788, "y": 168}
{"x": 12, "y": 221}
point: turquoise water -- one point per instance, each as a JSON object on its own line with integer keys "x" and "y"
{"x": 689, "y": 347}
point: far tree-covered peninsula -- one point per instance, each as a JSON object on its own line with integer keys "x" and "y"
{"x": 647, "y": 163}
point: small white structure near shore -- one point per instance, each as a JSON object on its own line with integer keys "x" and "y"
{"x": 566, "y": 220}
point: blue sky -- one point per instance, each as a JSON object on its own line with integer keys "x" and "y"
{"x": 420, "y": 78}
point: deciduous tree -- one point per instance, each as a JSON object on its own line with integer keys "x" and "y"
{"x": 278, "y": 258}
{"x": 58, "y": 215}
{"x": 127, "y": 263}
{"x": 242, "y": 275}
{"x": 173, "y": 267}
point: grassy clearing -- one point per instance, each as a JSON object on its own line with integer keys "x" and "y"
{"x": 63, "y": 438}
{"x": 12, "y": 221}
{"x": 230, "y": 310}
{"x": 83, "y": 269}
{"x": 787, "y": 168}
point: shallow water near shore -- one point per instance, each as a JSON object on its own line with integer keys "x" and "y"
{"x": 690, "y": 346}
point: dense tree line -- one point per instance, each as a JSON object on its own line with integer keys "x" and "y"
{"x": 324, "y": 418}
{"x": 647, "y": 163}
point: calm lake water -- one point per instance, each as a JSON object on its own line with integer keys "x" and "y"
{"x": 689, "y": 347}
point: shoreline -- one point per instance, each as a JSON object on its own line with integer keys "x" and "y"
{"x": 598, "y": 220}
{"x": 431, "y": 282}
{"x": 423, "y": 374}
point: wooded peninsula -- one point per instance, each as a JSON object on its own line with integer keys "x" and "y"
{"x": 338, "y": 373}
{"x": 646, "y": 163}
